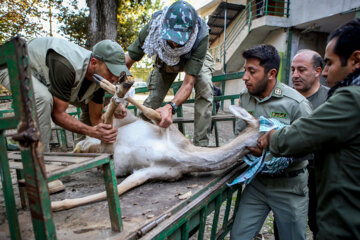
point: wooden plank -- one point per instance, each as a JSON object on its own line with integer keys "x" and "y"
{"x": 19, "y": 166}
{"x": 49, "y": 158}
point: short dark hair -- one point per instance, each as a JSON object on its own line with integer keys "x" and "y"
{"x": 318, "y": 61}
{"x": 267, "y": 54}
{"x": 348, "y": 39}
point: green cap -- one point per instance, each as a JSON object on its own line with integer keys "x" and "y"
{"x": 180, "y": 20}
{"x": 113, "y": 55}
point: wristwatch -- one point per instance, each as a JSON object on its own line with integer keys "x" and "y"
{"x": 173, "y": 106}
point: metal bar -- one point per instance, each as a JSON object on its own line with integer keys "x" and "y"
{"x": 8, "y": 191}
{"x": 288, "y": 8}
{"x": 237, "y": 202}
{"x": 216, "y": 135}
{"x": 202, "y": 225}
{"x": 194, "y": 207}
{"x": 112, "y": 196}
{"x": 185, "y": 231}
{"x": 266, "y": 7}
{"x": 72, "y": 169}
{"x": 229, "y": 76}
{"x": 8, "y": 123}
{"x": 225, "y": 25}
{"x": 228, "y": 207}
{"x": 29, "y": 139}
{"x": 216, "y": 217}
{"x": 22, "y": 187}
{"x": 287, "y": 60}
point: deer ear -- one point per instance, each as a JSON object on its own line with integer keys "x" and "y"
{"x": 241, "y": 113}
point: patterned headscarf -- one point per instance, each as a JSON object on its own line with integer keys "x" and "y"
{"x": 155, "y": 45}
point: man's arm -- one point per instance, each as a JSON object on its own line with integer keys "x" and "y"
{"x": 182, "y": 94}
{"x": 329, "y": 126}
{"x": 95, "y": 112}
{"x": 102, "y": 131}
{"x": 129, "y": 61}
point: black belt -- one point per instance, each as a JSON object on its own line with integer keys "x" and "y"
{"x": 284, "y": 174}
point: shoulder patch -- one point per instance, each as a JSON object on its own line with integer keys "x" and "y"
{"x": 293, "y": 94}
{"x": 278, "y": 91}
{"x": 278, "y": 115}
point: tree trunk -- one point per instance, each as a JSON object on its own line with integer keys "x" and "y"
{"x": 103, "y": 20}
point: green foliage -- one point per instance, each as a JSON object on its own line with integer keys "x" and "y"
{"x": 132, "y": 16}
{"x": 20, "y": 17}
{"x": 74, "y": 22}
{"x": 140, "y": 73}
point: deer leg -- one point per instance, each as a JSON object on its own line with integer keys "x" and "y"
{"x": 137, "y": 178}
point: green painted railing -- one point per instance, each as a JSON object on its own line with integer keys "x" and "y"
{"x": 254, "y": 9}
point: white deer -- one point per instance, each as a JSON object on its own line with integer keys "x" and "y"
{"x": 148, "y": 152}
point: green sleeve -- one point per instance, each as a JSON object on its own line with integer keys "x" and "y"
{"x": 61, "y": 75}
{"x": 195, "y": 63}
{"x": 328, "y": 126}
{"x": 303, "y": 109}
{"x": 135, "y": 49}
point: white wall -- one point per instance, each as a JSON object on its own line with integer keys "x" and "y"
{"x": 302, "y": 11}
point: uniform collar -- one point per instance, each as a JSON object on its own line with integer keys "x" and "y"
{"x": 278, "y": 92}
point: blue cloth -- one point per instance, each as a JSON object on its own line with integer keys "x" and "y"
{"x": 266, "y": 163}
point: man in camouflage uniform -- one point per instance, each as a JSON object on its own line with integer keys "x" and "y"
{"x": 179, "y": 39}
{"x": 285, "y": 193}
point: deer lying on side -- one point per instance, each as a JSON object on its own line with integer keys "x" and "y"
{"x": 148, "y": 152}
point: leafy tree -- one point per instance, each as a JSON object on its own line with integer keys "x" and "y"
{"x": 132, "y": 16}
{"x": 74, "y": 22}
{"x": 106, "y": 19}
{"x": 20, "y": 17}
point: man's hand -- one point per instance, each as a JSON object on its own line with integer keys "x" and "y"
{"x": 166, "y": 116}
{"x": 120, "y": 112}
{"x": 264, "y": 140}
{"x": 256, "y": 151}
{"x": 105, "y": 132}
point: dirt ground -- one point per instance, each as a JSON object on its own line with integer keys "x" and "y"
{"x": 139, "y": 205}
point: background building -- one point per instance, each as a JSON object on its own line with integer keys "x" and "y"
{"x": 289, "y": 25}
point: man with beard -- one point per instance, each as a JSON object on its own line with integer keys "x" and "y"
{"x": 333, "y": 130}
{"x": 285, "y": 193}
{"x": 179, "y": 39}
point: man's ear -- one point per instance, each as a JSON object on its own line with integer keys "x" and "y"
{"x": 318, "y": 71}
{"x": 272, "y": 73}
{"x": 92, "y": 65}
{"x": 355, "y": 60}
{"x": 93, "y": 61}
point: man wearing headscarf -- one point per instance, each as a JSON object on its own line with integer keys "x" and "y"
{"x": 179, "y": 40}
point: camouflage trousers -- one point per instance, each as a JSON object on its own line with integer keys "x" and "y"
{"x": 159, "y": 83}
